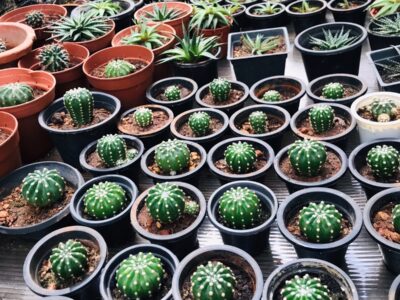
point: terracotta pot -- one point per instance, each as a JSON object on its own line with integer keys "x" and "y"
{"x": 222, "y": 34}
{"x": 34, "y": 141}
{"x": 10, "y": 157}
{"x": 66, "y": 79}
{"x": 19, "y": 39}
{"x": 129, "y": 89}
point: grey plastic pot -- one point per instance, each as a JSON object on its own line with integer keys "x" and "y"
{"x": 303, "y": 21}
{"x": 380, "y": 41}
{"x": 255, "y": 21}
{"x": 394, "y": 292}
{"x": 354, "y": 15}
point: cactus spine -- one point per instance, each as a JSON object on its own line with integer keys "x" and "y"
{"x": 79, "y": 103}
{"x": 172, "y": 156}
{"x": 384, "y": 161}
{"x": 396, "y": 217}
{"x": 3, "y": 46}
{"x": 143, "y": 116}
{"x": 258, "y": 121}
{"x": 199, "y": 122}
{"x": 272, "y": 96}
{"x": 118, "y": 68}
{"x": 15, "y": 93}
{"x": 35, "y": 19}
{"x": 240, "y": 157}
{"x": 333, "y": 90}
{"x": 173, "y": 93}
{"x": 220, "y": 89}
{"x": 321, "y": 118}
{"x": 54, "y": 58}
{"x": 383, "y": 110}
{"x": 305, "y": 288}
{"x": 307, "y": 157}
{"x": 191, "y": 208}
{"x": 113, "y": 151}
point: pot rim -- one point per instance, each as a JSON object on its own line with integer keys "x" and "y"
{"x": 14, "y": 129}
{"x": 350, "y": 10}
{"x": 371, "y": 32}
{"x": 83, "y": 8}
{"x": 165, "y": 80}
{"x": 393, "y": 288}
{"x": 290, "y": 12}
{"x": 251, "y": 7}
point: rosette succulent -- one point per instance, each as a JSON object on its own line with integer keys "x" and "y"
{"x": 240, "y": 157}
{"x": 79, "y": 103}
{"x": 220, "y": 89}
{"x": 272, "y": 96}
{"x": 118, "y": 68}
{"x": 321, "y": 118}
{"x": 173, "y": 93}
{"x": 305, "y": 288}
{"x": 199, "y": 122}
{"x": 333, "y": 90}
{"x": 383, "y": 110}
{"x": 35, "y": 19}
{"x": 15, "y": 93}
{"x": 307, "y": 157}
{"x": 258, "y": 121}
{"x": 384, "y": 161}
{"x": 396, "y": 217}
{"x": 54, "y": 58}
{"x": 143, "y": 116}
{"x": 113, "y": 151}
{"x": 104, "y": 8}
{"x": 172, "y": 156}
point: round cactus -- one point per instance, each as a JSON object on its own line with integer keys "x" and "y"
{"x": 213, "y": 281}
{"x": 69, "y": 260}
{"x": 199, "y": 122}
{"x": 143, "y": 116}
{"x": 165, "y": 202}
{"x": 104, "y": 200}
{"x": 118, "y": 68}
{"x": 396, "y": 217}
{"x": 383, "y": 110}
{"x": 54, "y": 58}
{"x": 3, "y": 46}
{"x": 139, "y": 276}
{"x": 191, "y": 208}
{"x": 15, "y": 93}
{"x": 43, "y": 187}
{"x": 240, "y": 157}
{"x": 321, "y": 118}
{"x": 113, "y": 151}
{"x": 333, "y": 90}
{"x": 35, "y": 19}
{"x": 307, "y": 157}
{"x": 220, "y": 89}
{"x": 272, "y": 96}
{"x": 173, "y": 93}
{"x": 258, "y": 121}
{"x": 79, "y": 103}
{"x": 305, "y": 288}
{"x": 240, "y": 208}
{"x": 384, "y": 161}
{"x": 172, "y": 156}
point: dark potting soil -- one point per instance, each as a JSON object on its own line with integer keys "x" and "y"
{"x": 383, "y": 223}
{"x": 340, "y": 125}
{"x": 265, "y": 213}
{"x": 63, "y": 121}
{"x": 234, "y": 96}
{"x": 184, "y": 93}
{"x": 48, "y": 19}
{"x": 94, "y": 160}
{"x": 348, "y": 91}
{"x": 99, "y": 71}
{"x": 364, "y": 113}
{"x": 242, "y": 51}
{"x": 261, "y": 161}
{"x": 287, "y": 92}
{"x": 128, "y": 124}
{"x": 367, "y": 173}
{"x": 352, "y": 4}
{"x": 3, "y": 135}
{"x": 274, "y": 123}
{"x": 194, "y": 161}
{"x": 49, "y": 280}
{"x": 16, "y": 212}
{"x": 215, "y": 126}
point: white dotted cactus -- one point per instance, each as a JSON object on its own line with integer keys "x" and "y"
{"x": 220, "y": 89}
{"x": 113, "y": 151}
{"x": 305, "y": 288}
{"x": 383, "y": 160}
{"x": 240, "y": 157}
{"x": 143, "y": 116}
{"x": 383, "y": 110}
{"x": 173, "y": 93}
{"x": 307, "y": 157}
{"x": 333, "y": 90}
{"x": 15, "y": 93}
{"x": 172, "y": 156}
{"x": 258, "y": 121}
{"x": 199, "y": 122}
{"x": 272, "y": 96}
{"x": 79, "y": 103}
{"x": 118, "y": 68}
{"x": 321, "y": 118}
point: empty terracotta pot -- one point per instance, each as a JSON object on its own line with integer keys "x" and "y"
{"x": 10, "y": 157}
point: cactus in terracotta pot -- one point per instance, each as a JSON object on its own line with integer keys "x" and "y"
{"x": 307, "y": 157}
{"x": 396, "y": 217}
{"x": 35, "y": 19}
{"x": 118, "y": 68}
{"x": 54, "y": 58}
{"x": 3, "y": 46}
{"x": 15, "y": 93}
{"x": 321, "y": 118}
{"x": 333, "y": 90}
{"x": 79, "y": 103}
{"x": 240, "y": 157}
{"x": 143, "y": 116}
{"x": 272, "y": 96}
{"x": 258, "y": 121}
{"x": 172, "y": 156}
{"x": 383, "y": 160}
{"x": 305, "y": 288}
{"x": 113, "y": 151}
{"x": 220, "y": 89}
{"x": 172, "y": 93}
{"x": 199, "y": 122}
{"x": 383, "y": 110}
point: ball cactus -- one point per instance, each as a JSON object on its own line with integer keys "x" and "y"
{"x": 333, "y": 90}
{"x": 3, "y": 46}
{"x": 15, "y": 93}
{"x": 213, "y": 281}
{"x": 199, "y": 122}
{"x": 113, "y": 151}
{"x": 54, "y": 58}
{"x": 35, "y": 19}
{"x": 172, "y": 93}
{"x": 396, "y": 217}
{"x": 79, "y": 103}
{"x": 172, "y": 156}
{"x": 220, "y": 89}
{"x": 69, "y": 260}
{"x": 143, "y": 116}
{"x": 384, "y": 161}
{"x": 258, "y": 121}
{"x": 307, "y": 157}
{"x": 118, "y": 68}
{"x": 191, "y": 208}
{"x": 272, "y": 96}
{"x": 104, "y": 200}
{"x": 321, "y": 118}
{"x": 240, "y": 157}
{"x": 43, "y": 187}
{"x": 305, "y": 288}
{"x": 383, "y": 110}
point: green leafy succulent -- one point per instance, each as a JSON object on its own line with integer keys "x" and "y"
{"x": 209, "y": 17}
{"x": 304, "y": 8}
{"x": 145, "y": 35}
{"x": 104, "y": 8}
{"x": 162, "y": 13}
{"x": 333, "y": 40}
{"x": 268, "y": 8}
{"x": 233, "y": 8}
{"x": 387, "y": 25}
{"x": 381, "y": 8}
{"x": 260, "y": 44}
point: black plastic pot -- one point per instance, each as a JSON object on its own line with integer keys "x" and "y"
{"x": 252, "y": 240}
{"x": 228, "y": 255}
{"x": 180, "y": 243}
{"x": 107, "y": 279}
{"x": 245, "y": 3}
{"x": 336, "y": 279}
{"x": 379, "y": 41}
{"x": 117, "y": 229}
{"x": 265, "y": 21}
{"x": 247, "y": 69}
{"x": 88, "y": 287}
{"x": 318, "y": 63}
{"x": 37, "y": 231}
{"x": 70, "y": 143}
{"x": 303, "y": 21}
{"x": 239, "y": 18}
{"x": 394, "y": 292}
{"x": 353, "y": 15}
{"x": 280, "y": 84}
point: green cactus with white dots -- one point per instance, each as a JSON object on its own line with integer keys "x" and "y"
{"x": 258, "y": 121}
{"x": 143, "y": 116}
{"x": 79, "y": 103}
{"x": 35, "y": 19}
{"x": 307, "y": 157}
{"x": 172, "y": 156}
{"x": 240, "y": 157}
{"x": 54, "y": 58}
{"x": 321, "y": 118}
{"x": 220, "y": 89}
{"x": 333, "y": 90}
{"x": 118, "y": 68}
{"x": 172, "y": 93}
{"x": 3, "y": 46}
{"x": 383, "y": 160}
{"x": 383, "y": 110}
{"x": 272, "y": 96}
{"x": 113, "y": 151}
{"x": 191, "y": 208}
{"x": 396, "y": 217}
{"x": 15, "y": 93}
{"x": 200, "y": 122}
{"x": 305, "y": 288}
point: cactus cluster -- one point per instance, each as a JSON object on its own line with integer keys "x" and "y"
{"x": 35, "y": 19}
{"x": 333, "y": 90}
{"x": 143, "y": 116}
{"x": 43, "y": 187}
{"x": 15, "y": 93}
{"x": 384, "y": 161}
{"x": 172, "y": 156}
{"x": 79, "y": 103}
{"x": 220, "y": 89}
{"x": 54, "y": 58}
{"x": 258, "y": 121}
{"x": 3, "y": 46}
{"x": 191, "y": 208}
{"x": 396, "y": 217}
{"x": 272, "y": 96}
{"x": 305, "y": 288}
{"x": 199, "y": 122}
{"x": 118, "y": 68}
{"x": 113, "y": 151}
{"x": 307, "y": 157}
{"x": 172, "y": 93}
{"x": 321, "y": 118}
{"x": 240, "y": 157}
{"x": 383, "y": 110}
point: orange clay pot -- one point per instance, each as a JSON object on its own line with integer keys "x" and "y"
{"x": 10, "y": 157}
{"x": 222, "y": 34}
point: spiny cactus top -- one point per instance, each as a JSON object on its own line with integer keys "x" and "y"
{"x": 396, "y": 217}
{"x": 191, "y": 208}
{"x": 143, "y": 116}
{"x": 383, "y": 110}
{"x": 321, "y": 118}
{"x": 15, "y": 94}
{"x": 165, "y": 202}
{"x": 258, "y": 121}
{"x": 139, "y": 276}
{"x": 240, "y": 157}
{"x": 43, "y": 187}
{"x": 307, "y": 157}
{"x": 79, "y": 103}
{"x": 172, "y": 156}
{"x": 272, "y": 96}
{"x": 118, "y": 68}
{"x": 220, "y": 89}
{"x": 104, "y": 200}
{"x": 54, "y": 58}
{"x": 213, "y": 281}
{"x": 69, "y": 260}
{"x": 113, "y": 151}
{"x": 305, "y": 288}
{"x": 35, "y": 19}
{"x": 199, "y": 122}
{"x": 173, "y": 93}
{"x": 333, "y": 90}
{"x": 384, "y": 160}
{"x": 3, "y": 46}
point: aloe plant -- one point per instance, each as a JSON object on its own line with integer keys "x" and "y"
{"x": 304, "y": 8}
{"x": 381, "y": 8}
{"x": 145, "y": 35}
{"x": 104, "y": 8}
{"x": 387, "y": 25}
{"x": 333, "y": 40}
{"x": 268, "y": 8}
{"x": 162, "y": 13}
{"x": 209, "y": 17}
{"x": 260, "y": 44}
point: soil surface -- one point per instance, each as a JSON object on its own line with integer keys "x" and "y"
{"x": 184, "y": 93}
{"x": 3, "y": 135}
{"x": 215, "y": 126}
{"x": 348, "y": 92}
{"x": 261, "y": 161}
{"x": 63, "y": 121}
{"x": 273, "y": 124}
{"x": 241, "y": 51}
{"x": 94, "y": 160}
{"x": 234, "y": 96}
{"x": 99, "y": 71}
{"x": 383, "y": 223}
{"x": 128, "y": 124}
{"x": 287, "y": 92}
{"x": 364, "y": 113}
{"x": 367, "y": 173}
{"x": 194, "y": 161}
{"x": 340, "y": 125}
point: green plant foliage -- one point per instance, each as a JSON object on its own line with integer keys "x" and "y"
{"x": 54, "y": 57}
{"x": 199, "y": 122}
{"x": 261, "y": 45}
{"x": 332, "y": 40}
{"x": 172, "y": 156}
{"x": 321, "y": 118}
{"x": 272, "y": 96}
{"x": 35, "y": 19}
{"x": 15, "y": 93}
{"x": 240, "y": 157}
{"x": 384, "y": 8}
{"x": 79, "y": 103}
{"x": 113, "y": 151}
{"x": 220, "y": 89}
{"x": 209, "y": 17}
{"x": 161, "y": 14}
{"x": 267, "y": 8}
{"x": 104, "y": 8}
{"x": 383, "y": 160}
{"x": 145, "y": 35}
{"x": 333, "y": 90}
{"x": 143, "y": 116}
{"x": 258, "y": 121}
{"x": 304, "y": 8}
{"x": 307, "y": 157}
{"x": 305, "y": 288}
{"x": 118, "y": 68}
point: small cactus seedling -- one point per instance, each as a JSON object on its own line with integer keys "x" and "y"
{"x": 384, "y": 161}
{"x": 240, "y": 208}
{"x": 333, "y": 90}
{"x": 173, "y": 93}
{"x": 220, "y": 89}
{"x": 307, "y": 157}
{"x": 321, "y": 118}
{"x": 240, "y": 157}
{"x": 54, "y": 58}
{"x": 15, "y": 93}
{"x": 396, "y": 217}
{"x": 118, "y": 68}
{"x": 272, "y": 96}
{"x": 143, "y": 116}
{"x": 43, "y": 187}
{"x": 140, "y": 276}
{"x": 172, "y": 156}
{"x": 35, "y": 19}
{"x": 79, "y": 103}
{"x": 113, "y": 151}
{"x": 69, "y": 260}
{"x": 305, "y": 288}
{"x": 320, "y": 223}
{"x": 258, "y": 121}
{"x": 383, "y": 110}
{"x": 104, "y": 200}
{"x": 213, "y": 281}
{"x": 191, "y": 208}
{"x": 3, "y": 46}
{"x": 199, "y": 122}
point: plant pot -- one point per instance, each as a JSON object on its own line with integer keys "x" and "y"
{"x": 88, "y": 287}
{"x": 180, "y": 243}
{"x": 67, "y": 79}
{"x": 379, "y": 41}
{"x": 245, "y": 3}
{"x": 115, "y": 230}
{"x": 37, "y": 231}
{"x": 222, "y": 34}
{"x": 27, "y": 113}
{"x": 129, "y": 89}
{"x": 303, "y": 21}
{"x": 294, "y": 185}
{"x": 70, "y": 143}
{"x": 138, "y": 4}
{"x": 231, "y": 256}
{"x": 318, "y": 63}
{"x": 247, "y": 69}
{"x": 282, "y": 84}
{"x": 10, "y": 157}
{"x": 394, "y": 292}
{"x": 353, "y": 15}
{"x": 107, "y": 279}
{"x": 265, "y": 21}
{"x": 239, "y": 18}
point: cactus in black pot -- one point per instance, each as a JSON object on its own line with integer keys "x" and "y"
{"x": 307, "y": 157}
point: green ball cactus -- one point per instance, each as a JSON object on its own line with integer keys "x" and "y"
{"x": 43, "y": 187}
{"x": 213, "y": 281}
{"x": 383, "y": 110}
{"x": 305, "y": 288}
{"x": 143, "y": 116}
{"x": 79, "y": 103}
{"x": 104, "y": 200}
{"x": 3, "y": 46}
{"x": 191, "y": 208}
{"x": 240, "y": 157}
{"x": 15, "y": 93}
{"x": 173, "y": 93}
{"x": 320, "y": 223}
{"x": 307, "y": 157}
{"x": 139, "y": 276}
{"x": 165, "y": 202}
{"x": 113, "y": 151}
{"x": 333, "y": 90}
{"x": 384, "y": 161}
{"x": 220, "y": 89}
{"x": 258, "y": 121}
{"x": 396, "y": 217}
{"x": 272, "y": 96}
{"x": 35, "y": 19}
{"x": 199, "y": 122}
{"x": 321, "y": 118}
{"x": 240, "y": 208}
{"x": 118, "y": 68}
{"x": 54, "y": 58}
{"x": 172, "y": 156}
{"x": 69, "y": 260}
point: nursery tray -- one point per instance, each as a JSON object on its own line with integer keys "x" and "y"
{"x": 363, "y": 259}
